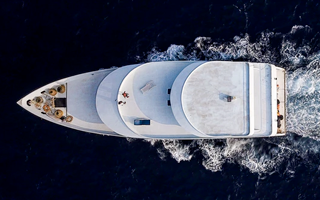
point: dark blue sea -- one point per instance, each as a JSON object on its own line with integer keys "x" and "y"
{"x": 43, "y": 41}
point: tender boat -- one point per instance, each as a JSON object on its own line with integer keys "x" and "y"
{"x": 169, "y": 100}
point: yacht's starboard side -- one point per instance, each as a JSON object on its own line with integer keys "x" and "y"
{"x": 169, "y": 100}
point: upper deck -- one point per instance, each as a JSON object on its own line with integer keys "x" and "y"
{"x": 178, "y": 100}
{"x": 147, "y": 90}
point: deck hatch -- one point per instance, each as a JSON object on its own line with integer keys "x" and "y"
{"x": 139, "y": 122}
{"x": 60, "y": 102}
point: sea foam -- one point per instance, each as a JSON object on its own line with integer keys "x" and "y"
{"x": 263, "y": 155}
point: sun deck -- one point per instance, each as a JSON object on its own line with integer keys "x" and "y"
{"x": 205, "y": 98}
{"x": 189, "y": 100}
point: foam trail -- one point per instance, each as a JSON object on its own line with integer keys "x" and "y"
{"x": 265, "y": 155}
{"x": 178, "y": 151}
{"x": 174, "y": 52}
{"x": 303, "y": 100}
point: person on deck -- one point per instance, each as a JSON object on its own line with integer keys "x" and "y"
{"x": 279, "y": 116}
{"x": 125, "y": 95}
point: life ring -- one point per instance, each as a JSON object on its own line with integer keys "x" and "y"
{"x": 58, "y": 113}
{"x": 52, "y": 92}
{"x": 46, "y": 108}
{"x": 69, "y": 118}
{"x": 38, "y": 100}
{"x": 61, "y": 89}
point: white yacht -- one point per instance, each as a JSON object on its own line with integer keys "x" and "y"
{"x": 169, "y": 100}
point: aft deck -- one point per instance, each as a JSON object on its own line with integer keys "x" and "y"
{"x": 281, "y": 96}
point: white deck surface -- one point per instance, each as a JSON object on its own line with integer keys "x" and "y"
{"x": 262, "y": 99}
{"x": 107, "y": 102}
{"x": 81, "y": 97}
{"x": 152, "y": 104}
{"x": 204, "y": 98}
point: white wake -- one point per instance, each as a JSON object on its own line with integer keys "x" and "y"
{"x": 265, "y": 155}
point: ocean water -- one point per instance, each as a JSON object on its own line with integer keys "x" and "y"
{"x": 45, "y": 41}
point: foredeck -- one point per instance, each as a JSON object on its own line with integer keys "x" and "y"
{"x": 77, "y": 101}
{"x": 81, "y": 98}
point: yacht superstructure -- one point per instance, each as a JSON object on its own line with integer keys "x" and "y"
{"x": 169, "y": 100}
